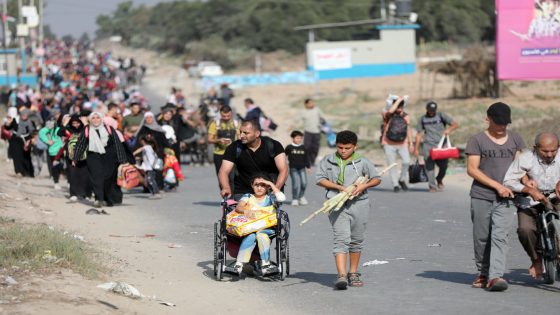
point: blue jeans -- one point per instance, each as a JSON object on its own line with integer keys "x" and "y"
{"x": 299, "y": 182}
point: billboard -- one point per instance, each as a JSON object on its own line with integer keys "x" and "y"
{"x": 329, "y": 59}
{"x": 528, "y": 39}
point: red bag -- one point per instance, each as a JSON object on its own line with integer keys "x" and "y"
{"x": 129, "y": 176}
{"x": 441, "y": 153}
{"x": 6, "y": 134}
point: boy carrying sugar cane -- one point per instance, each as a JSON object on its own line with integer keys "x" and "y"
{"x": 336, "y": 172}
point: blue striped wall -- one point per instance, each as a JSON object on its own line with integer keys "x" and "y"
{"x": 364, "y": 71}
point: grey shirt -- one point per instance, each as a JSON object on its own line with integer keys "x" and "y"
{"x": 433, "y": 127}
{"x": 529, "y": 163}
{"x": 330, "y": 170}
{"x": 495, "y": 160}
{"x": 311, "y": 119}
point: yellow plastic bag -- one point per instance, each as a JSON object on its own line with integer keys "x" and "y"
{"x": 240, "y": 225}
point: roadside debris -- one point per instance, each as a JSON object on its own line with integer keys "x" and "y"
{"x": 139, "y": 236}
{"x": 49, "y": 257}
{"x": 375, "y": 263}
{"x": 174, "y": 245}
{"x": 167, "y": 303}
{"x": 441, "y": 221}
{"x": 9, "y": 281}
{"x": 95, "y": 211}
{"x": 434, "y": 245}
{"x": 121, "y": 288}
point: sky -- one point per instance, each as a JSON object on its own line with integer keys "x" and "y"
{"x": 75, "y": 17}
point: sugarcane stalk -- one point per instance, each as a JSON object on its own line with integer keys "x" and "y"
{"x": 336, "y": 202}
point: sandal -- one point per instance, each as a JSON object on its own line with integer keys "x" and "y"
{"x": 480, "y": 282}
{"x": 354, "y": 279}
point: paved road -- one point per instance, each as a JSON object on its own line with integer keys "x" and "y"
{"x": 419, "y": 279}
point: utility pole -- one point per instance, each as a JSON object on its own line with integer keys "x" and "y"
{"x": 5, "y": 39}
{"x": 21, "y": 39}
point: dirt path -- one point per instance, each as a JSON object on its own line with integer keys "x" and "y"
{"x": 157, "y": 271}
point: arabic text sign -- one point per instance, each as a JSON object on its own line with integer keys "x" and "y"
{"x": 328, "y": 59}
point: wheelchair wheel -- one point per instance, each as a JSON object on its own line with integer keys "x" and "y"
{"x": 216, "y": 247}
{"x": 551, "y": 262}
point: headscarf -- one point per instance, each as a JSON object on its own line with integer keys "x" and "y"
{"x": 12, "y": 112}
{"x": 153, "y": 126}
{"x": 71, "y": 128}
{"x": 25, "y": 127}
{"x": 97, "y": 142}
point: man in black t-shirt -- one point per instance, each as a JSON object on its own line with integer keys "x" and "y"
{"x": 251, "y": 155}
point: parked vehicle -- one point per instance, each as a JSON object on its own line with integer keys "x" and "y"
{"x": 206, "y": 69}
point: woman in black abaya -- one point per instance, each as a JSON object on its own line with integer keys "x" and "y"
{"x": 21, "y": 132}
{"x": 77, "y": 173}
{"x": 104, "y": 154}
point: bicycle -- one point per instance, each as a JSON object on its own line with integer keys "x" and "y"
{"x": 548, "y": 227}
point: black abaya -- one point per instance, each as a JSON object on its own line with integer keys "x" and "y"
{"x": 20, "y": 157}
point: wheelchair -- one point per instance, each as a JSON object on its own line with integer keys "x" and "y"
{"x": 227, "y": 244}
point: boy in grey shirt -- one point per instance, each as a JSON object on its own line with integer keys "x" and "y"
{"x": 490, "y": 153}
{"x": 336, "y": 172}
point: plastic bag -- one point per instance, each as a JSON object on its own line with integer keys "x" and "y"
{"x": 417, "y": 173}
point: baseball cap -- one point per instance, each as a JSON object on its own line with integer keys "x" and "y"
{"x": 431, "y": 106}
{"x": 500, "y": 113}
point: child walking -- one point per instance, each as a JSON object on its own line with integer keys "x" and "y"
{"x": 337, "y": 171}
{"x": 149, "y": 157}
{"x": 299, "y": 162}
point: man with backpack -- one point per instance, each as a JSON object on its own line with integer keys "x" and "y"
{"x": 397, "y": 139}
{"x": 431, "y": 127}
{"x": 222, "y": 131}
{"x": 252, "y": 154}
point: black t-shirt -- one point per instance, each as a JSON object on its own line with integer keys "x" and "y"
{"x": 249, "y": 163}
{"x": 297, "y": 156}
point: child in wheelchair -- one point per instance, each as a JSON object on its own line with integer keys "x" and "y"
{"x": 251, "y": 205}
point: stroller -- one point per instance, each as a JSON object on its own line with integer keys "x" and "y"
{"x": 226, "y": 243}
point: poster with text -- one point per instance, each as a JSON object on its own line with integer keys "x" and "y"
{"x": 528, "y": 39}
{"x": 330, "y": 59}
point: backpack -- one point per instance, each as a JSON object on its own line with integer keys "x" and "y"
{"x": 71, "y": 146}
{"x": 398, "y": 128}
{"x": 441, "y": 121}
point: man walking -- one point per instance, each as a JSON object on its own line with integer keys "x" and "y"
{"x": 397, "y": 139}
{"x": 536, "y": 173}
{"x": 311, "y": 117}
{"x": 221, "y": 133}
{"x": 432, "y": 127}
{"x": 490, "y": 154}
{"x": 252, "y": 154}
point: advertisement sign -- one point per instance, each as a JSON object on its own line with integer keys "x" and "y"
{"x": 528, "y": 39}
{"x": 329, "y": 59}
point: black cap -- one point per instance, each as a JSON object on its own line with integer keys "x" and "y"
{"x": 431, "y": 106}
{"x": 500, "y": 113}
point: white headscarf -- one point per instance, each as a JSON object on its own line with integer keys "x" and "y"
{"x": 97, "y": 142}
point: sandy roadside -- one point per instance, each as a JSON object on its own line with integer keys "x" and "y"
{"x": 157, "y": 271}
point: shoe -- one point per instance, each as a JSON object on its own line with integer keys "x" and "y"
{"x": 238, "y": 268}
{"x": 97, "y": 204}
{"x": 267, "y": 268}
{"x": 295, "y": 203}
{"x": 497, "y": 285}
{"x": 440, "y": 186}
{"x": 341, "y": 282}
{"x": 73, "y": 199}
{"x": 396, "y": 189}
{"x": 303, "y": 201}
{"x": 57, "y": 187}
{"x": 354, "y": 279}
{"x": 403, "y": 185}
{"x": 480, "y": 282}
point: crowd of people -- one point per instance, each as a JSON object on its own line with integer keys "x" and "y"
{"x": 88, "y": 118}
